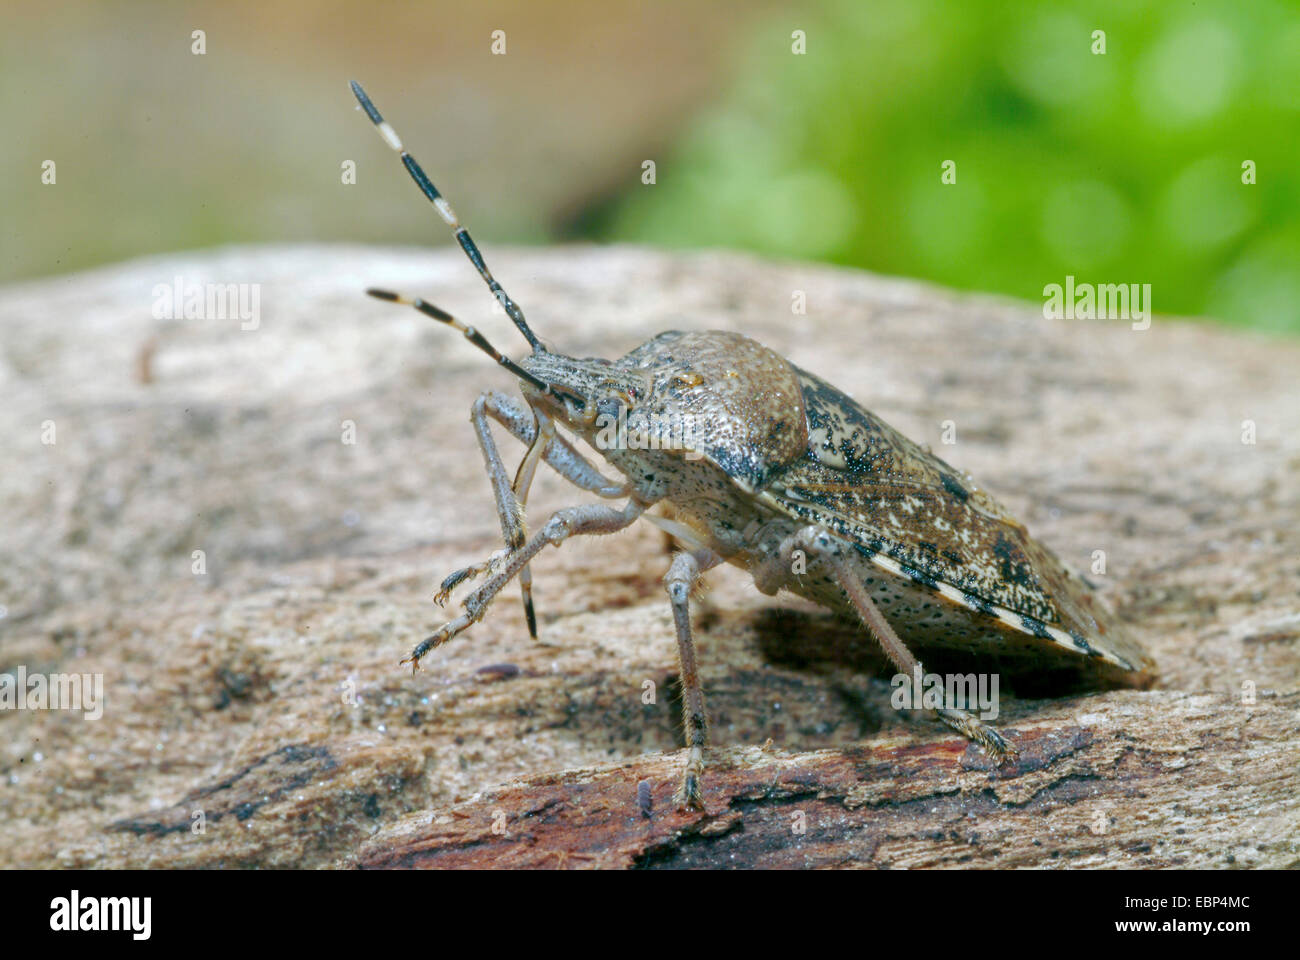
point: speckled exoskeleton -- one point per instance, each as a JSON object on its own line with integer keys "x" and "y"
{"x": 746, "y": 459}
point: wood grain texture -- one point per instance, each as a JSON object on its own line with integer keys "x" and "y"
{"x": 263, "y": 698}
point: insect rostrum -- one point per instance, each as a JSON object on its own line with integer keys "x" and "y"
{"x": 780, "y": 465}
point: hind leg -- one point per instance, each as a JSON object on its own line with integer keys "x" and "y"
{"x": 817, "y": 542}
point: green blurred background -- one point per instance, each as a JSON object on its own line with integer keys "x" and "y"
{"x": 1123, "y": 167}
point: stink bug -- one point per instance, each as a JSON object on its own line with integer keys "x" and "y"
{"x": 754, "y": 462}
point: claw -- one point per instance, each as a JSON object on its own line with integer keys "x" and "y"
{"x": 689, "y": 796}
{"x": 999, "y": 749}
{"x": 458, "y": 577}
{"x": 450, "y": 584}
{"x": 435, "y": 640}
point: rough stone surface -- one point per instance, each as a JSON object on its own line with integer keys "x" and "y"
{"x": 262, "y": 700}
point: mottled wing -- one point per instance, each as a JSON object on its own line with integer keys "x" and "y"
{"x": 915, "y": 516}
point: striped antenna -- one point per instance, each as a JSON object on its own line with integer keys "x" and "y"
{"x": 480, "y": 341}
{"x": 445, "y": 211}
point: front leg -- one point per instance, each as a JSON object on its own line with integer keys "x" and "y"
{"x": 595, "y": 518}
{"x": 558, "y": 453}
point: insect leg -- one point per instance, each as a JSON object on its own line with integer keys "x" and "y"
{"x": 524, "y": 424}
{"x": 523, "y": 483}
{"x": 509, "y": 510}
{"x": 457, "y": 577}
{"x": 817, "y": 542}
{"x": 593, "y": 518}
{"x": 559, "y": 454}
{"x": 681, "y": 579}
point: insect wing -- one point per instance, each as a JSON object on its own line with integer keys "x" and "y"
{"x": 914, "y": 515}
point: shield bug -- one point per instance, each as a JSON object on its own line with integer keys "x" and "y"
{"x": 744, "y": 458}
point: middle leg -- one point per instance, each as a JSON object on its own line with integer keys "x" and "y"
{"x": 681, "y": 579}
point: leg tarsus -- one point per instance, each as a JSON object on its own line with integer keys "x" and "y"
{"x": 458, "y": 577}
{"x": 998, "y": 748}
{"x": 439, "y": 637}
{"x": 594, "y": 518}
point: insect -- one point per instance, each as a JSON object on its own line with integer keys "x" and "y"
{"x": 746, "y": 459}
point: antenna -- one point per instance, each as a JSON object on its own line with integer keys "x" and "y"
{"x": 445, "y": 211}
{"x": 480, "y": 341}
